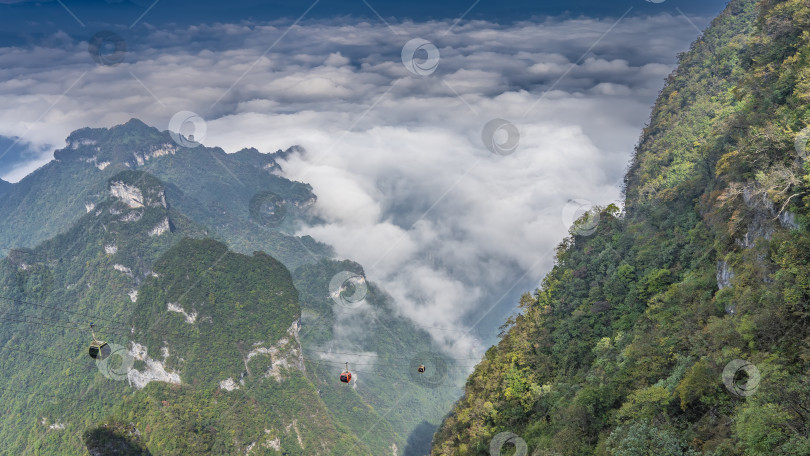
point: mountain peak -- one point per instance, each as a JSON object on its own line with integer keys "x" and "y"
{"x": 130, "y": 144}
{"x": 284, "y": 154}
{"x": 137, "y": 123}
{"x": 134, "y": 127}
{"x": 253, "y": 157}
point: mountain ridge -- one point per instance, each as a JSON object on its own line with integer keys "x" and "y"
{"x": 63, "y": 189}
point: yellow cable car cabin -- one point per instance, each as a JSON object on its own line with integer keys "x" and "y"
{"x": 98, "y": 348}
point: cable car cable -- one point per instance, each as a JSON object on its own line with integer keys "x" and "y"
{"x": 6, "y": 298}
{"x": 320, "y": 360}
{"x": 129, "y": 330}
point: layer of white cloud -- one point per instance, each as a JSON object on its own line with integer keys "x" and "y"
{"x": 404, "y": 182}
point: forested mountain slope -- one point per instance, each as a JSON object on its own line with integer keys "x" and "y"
{"x": 236, "y": 198}
{"x": 681, "y": 325}
{"x": 206, "y": 355}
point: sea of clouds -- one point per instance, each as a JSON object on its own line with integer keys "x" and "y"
{"x": 454, "y": 232}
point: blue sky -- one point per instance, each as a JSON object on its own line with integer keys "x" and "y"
{"x": 181, "y": 11}
{"x": 25, "y": 20}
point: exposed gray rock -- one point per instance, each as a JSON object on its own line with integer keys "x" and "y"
{"x": 762, "y": 225}
{"x": 788, "y": 220}
{"x": 724, "y": 275}
{"x": 160, "y": 228}
{"x": 154, "y": 372}
{"x": 129, "y": 194}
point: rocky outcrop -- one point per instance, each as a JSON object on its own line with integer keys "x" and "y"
{"x": 788, "y": 220}
{"x": 132, "y": 216}
{"x": 190, "y": 317}
{"x": 57, "y": 426}
{"x": 160, "y": 228}
{"x": 75, "y": 143}
{"x": 128, "y": 194}
{"x": 228, "y": 384}
{"x": 724, "y": 275}
{"x": 122, "y": 268}
{"x": 274, "y": 444}
{"x": 285, "y": 354}
{"x": 94, "y": 160}
{"x": 761, "y": 225}
{"x": 764, "y": 217}
{"x": 144, "y": 156}
{"x": 154, "y": 372}
{"x": 138, "y": 194}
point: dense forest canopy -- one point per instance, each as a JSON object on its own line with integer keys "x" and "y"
{"x": 680, "y": 326}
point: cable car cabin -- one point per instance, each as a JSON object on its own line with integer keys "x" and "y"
{"x": 421, "y": 369}
{"x": 346, "y": 376}
{"x": 99, "y": 349}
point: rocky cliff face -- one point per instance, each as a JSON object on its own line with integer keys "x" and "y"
{"x": 129, "y": 195}
{"x": 139, "y": 194}
{"x": 138, "y": 190}
{"x": 154, "y": 371}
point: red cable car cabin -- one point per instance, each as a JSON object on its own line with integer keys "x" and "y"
{"x": 346, "y": 376}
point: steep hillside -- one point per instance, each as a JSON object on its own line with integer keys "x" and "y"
{"x": 218, "y": 361}
{"x": 4, "y": 186}
{"x": 680, "y": 326}
{"x": 384, "y": 351}
{"x": 206, "y": 356}
{"x": 233, "y": 198}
